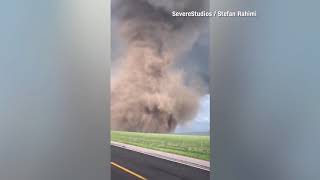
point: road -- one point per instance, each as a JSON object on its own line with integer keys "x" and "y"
{"x": 130, "y": 165}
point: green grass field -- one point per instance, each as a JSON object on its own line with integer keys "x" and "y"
{"x": 194, "y": 146}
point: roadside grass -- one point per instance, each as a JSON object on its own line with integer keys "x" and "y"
{"x": 194, "y": 146}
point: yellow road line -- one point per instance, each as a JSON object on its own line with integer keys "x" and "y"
{"x": 128, "y": 171}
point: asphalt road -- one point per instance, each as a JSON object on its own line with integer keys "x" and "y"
{"x": 129, "y": 165}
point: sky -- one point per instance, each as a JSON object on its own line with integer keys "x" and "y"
{"x": 201, "y": 123}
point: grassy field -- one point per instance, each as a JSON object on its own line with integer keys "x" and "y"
{"x": 187, "y": 145}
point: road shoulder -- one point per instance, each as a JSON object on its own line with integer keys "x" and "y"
{"x": 197, "y": 163}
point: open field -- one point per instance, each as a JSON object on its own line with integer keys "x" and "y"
{"x": 194, "y": 146}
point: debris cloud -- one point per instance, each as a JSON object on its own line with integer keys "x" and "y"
{"x": 148, "y": 93}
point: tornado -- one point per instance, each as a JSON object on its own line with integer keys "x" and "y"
{"x": 148, "y": 92}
